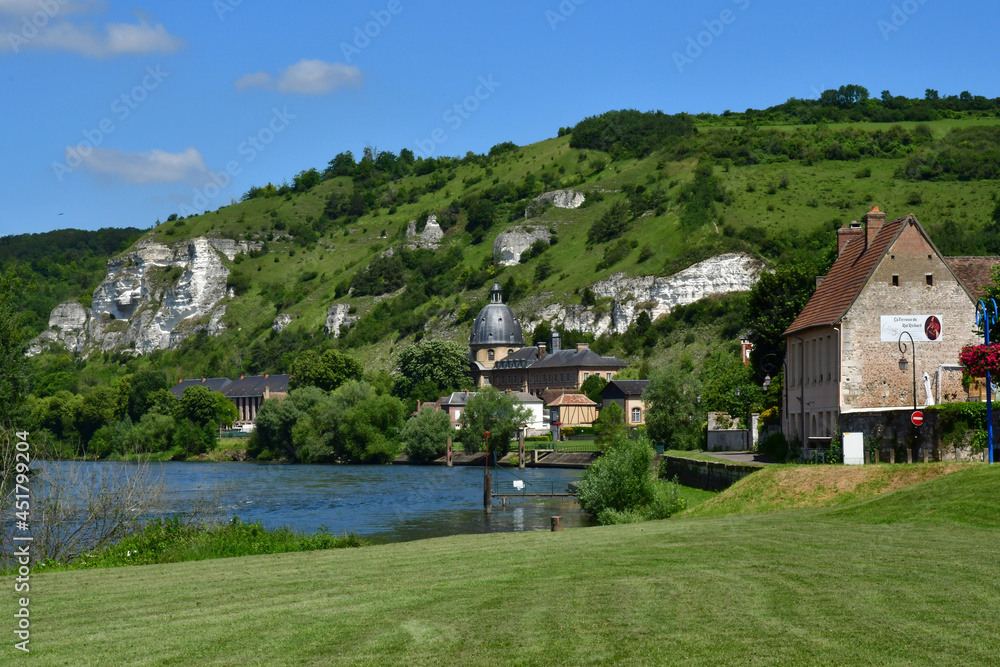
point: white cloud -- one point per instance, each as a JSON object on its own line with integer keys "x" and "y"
{"x": 154, "y": 166}
{"x": 52, "y": 7}
{"x": 309, "y": 77}
{"x": 117, "y": 39}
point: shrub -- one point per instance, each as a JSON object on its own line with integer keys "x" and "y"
{"x": 621, "y": 487}
{"x": 774, "y": 447}
{"x": 425, "y": 435}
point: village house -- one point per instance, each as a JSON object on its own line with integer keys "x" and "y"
{"x": 889, "y": 284}
{"x": 499, "y": 357}
{"x": 572, "y": 410}
{"x": 454, "y": 404}
{"x": 247, "y": 393}
{"x": 628, "y": 395}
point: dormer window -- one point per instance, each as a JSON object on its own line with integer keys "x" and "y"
{"x": 491, "y": 355}
{"x": 895, "y": 281}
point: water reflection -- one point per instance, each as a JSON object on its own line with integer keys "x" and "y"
{"x": 382, "y": 503}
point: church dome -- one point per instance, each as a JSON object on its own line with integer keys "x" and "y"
{"x": 496, "y": 323}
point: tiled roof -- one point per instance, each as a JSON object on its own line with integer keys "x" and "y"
{"x": 585, "y": 358}
{"x": 215, "y": 384}
{"x": 973, "y": 272}
{"x": 570, "y": 399}
{"x": 253, "y": 385}
{"x": 628, "y": 387}
{"x": 847, "y": 277}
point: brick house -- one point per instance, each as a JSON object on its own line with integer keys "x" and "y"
{"x": 498, "y": 356}
{"x": 843, "y": 348}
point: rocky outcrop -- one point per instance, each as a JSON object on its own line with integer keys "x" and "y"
{"x": 280, "y": 322}
{"x": 511, "y": 244}
{"x": 655, "y": 295}
{"x": 67, "y": 326}
{"x": 429, "y": 238}
{"x": 337, "y": 316}
{"x": 231, "y": 248}
{"x": 153, "y": 297}
{"x": 563, "y": 198}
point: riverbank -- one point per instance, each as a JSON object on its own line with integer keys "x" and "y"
{"x": 792, "y": 587}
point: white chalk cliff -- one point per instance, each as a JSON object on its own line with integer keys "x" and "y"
{"x": 152, "y": 298}
{"x": 657, "y": 296}
{"x": 511, "y": 244}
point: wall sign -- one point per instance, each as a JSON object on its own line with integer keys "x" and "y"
{"x": 923, "y": 328}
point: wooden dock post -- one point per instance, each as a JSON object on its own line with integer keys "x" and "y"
{"x": 448, "y": 456}
{"x": 520, "y": 451}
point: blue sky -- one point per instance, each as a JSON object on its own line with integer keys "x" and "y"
{"x": 188, "y": 104}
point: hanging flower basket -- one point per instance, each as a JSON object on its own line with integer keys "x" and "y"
{"x": 980, "y": 359}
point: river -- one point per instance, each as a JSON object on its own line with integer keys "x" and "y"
{"x": 381, "y": 503}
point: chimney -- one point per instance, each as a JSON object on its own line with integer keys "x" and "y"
{"x": 556, "y": 341}
{"x": 541, "y": 351}
{"x": 845, "y": 234}
{"x": 241, "y": 377}
{"x": 580, "y": 347}
{"x": 203, "y": 379}
{"x": 819, "y": 281}
{"x": 265, "y": 376}
{"x": 180, "y": 380}
{"x": 874, "y": 220}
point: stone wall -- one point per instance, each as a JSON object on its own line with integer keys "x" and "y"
{"x": 708, "y": 475}
{"x": 871, "y": 374}
{"x": 892, "y": 430}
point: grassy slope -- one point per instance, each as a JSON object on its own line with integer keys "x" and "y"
{"x": 816, "y": 197}
{"x": 788, "y": 487}
{"x": 887, "y": 581}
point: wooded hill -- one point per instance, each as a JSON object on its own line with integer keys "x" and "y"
{"x": 663, "y": 192}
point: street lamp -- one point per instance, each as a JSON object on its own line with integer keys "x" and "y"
{"x": 902, "y": 366}
{"x": 903, "y": 363}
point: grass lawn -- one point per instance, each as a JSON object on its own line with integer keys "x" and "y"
{"x": 908, "y": 577}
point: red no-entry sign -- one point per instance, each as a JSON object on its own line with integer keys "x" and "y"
{"x": 917, "y": 418}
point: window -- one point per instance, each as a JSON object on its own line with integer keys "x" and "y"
{"x": 510, "y": 352}
{"x": 585, "y": 376}
{"x": 491, "y": 355}
{"x": 895, "y": 281}
{"x": 636, "y": 415}
{"x": 930, "y": 279}
{"x": 609, "y": 376}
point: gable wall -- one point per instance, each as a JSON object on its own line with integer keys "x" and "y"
{"x": 871, "y": 377}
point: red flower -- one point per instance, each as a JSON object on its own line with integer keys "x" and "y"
{"x": 980, "y": 359}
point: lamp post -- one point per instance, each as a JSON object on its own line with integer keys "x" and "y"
{"x": 902, "y": 366}
{"x": 983, "y": 320}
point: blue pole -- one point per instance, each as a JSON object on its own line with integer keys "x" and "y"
{"x": 984, "y": 321}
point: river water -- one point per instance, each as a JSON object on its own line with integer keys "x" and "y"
{"x": 382, "y": 503}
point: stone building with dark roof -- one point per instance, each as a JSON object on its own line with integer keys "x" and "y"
{"x": 247, "y": 393}
{"x": 628, "y": 395}
{"x": 499, "y": 357}
{"x": 888, "y": 283}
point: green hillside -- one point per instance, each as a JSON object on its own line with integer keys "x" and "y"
{"x": 662, "y": 193}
